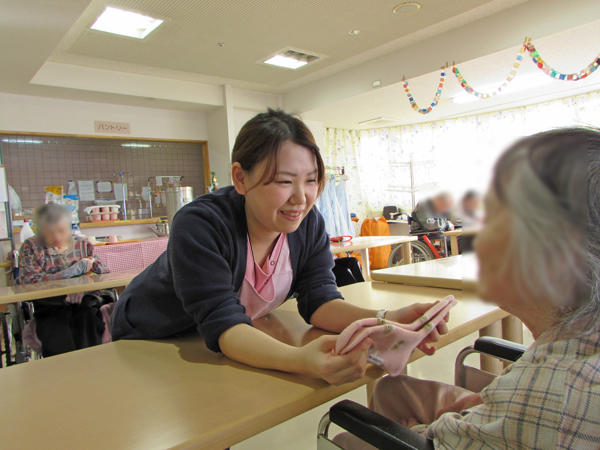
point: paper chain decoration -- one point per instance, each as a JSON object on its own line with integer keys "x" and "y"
{"x": 550, "y": 71}
{"x": 511, "y": 76}
{"x": 537, "y": 60}
{"x": 436, "y": 98}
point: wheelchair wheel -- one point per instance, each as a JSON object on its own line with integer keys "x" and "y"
{"x": 421, "y": 252}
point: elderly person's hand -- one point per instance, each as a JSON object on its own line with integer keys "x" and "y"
{"x": 89, "y": 264}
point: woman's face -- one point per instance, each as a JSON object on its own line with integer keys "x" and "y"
{"x": 280, "y": 206}
{"x": 491, "y": 245}
{"x": 57, "y": 234}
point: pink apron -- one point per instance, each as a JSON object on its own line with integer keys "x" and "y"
{"x": 262, "y": 291}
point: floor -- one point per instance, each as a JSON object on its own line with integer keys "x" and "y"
{"x": 299, "y": 433}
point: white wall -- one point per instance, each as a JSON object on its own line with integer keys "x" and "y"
{"x": 50, "y": 115}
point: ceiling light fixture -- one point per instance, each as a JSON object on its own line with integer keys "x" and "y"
{"x": 22, "y": 141}
{"x": 125, "y": 23}
{"x": 407, "y": 8}
{"x": 291, "y": 59}
{"x": 519, "y": 84}
{"x": 136, "y": 145}
{"x": 354, "y": 32}
{"x": 383, "y": 120}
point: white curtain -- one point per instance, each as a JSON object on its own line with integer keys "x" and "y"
{"x": 452, "y": 155}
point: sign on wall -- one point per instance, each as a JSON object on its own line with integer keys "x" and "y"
{"x": 102, "y": 126}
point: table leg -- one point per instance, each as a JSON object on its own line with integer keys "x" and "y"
{"x": 454, "y": 245}
{"x": 364, "y": 257}
{"x": 407, "y": 253}
{"x": 488, "y": 363}
{"x": 512, "y": 329}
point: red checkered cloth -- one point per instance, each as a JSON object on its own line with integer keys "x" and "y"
{"x": 132, "y": 255}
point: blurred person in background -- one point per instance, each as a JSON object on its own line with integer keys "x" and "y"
{"x": 432, "y": 215}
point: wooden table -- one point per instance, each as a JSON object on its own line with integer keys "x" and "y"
{"x": 454, "y": 234}
{"x": 176, "y": 393}
{"x": 454, "y": 272}
{"x": 364, "y": 243}
{"x": 45, "y": 289}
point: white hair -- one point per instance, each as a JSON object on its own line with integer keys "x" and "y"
{"x": 550, "y": 182}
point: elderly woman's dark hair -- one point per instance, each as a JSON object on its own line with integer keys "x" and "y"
{"x": 550, "y": 182}
{"x": 49, "y": 214}
{"x": 262, "y": 136}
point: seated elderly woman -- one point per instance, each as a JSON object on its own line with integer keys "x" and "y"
{"x": 539, "y": 257}
{"x": 69, "y": 322}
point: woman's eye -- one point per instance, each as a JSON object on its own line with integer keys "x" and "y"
{"x": 284, "y": 182}
{"x": 312, "y": 181}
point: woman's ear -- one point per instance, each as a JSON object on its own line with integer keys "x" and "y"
{"x": 238, "y": 175}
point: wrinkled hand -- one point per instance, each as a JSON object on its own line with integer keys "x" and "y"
{"x": 89, "y": 264}
{"x": 321, "y": 361}
{"x": 413, "y": 312}
{"x": 464, "y": 403}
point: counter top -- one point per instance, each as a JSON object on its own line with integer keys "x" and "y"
{"x": 118, "y": 223}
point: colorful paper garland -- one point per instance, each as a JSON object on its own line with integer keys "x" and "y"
{"x": 436, "y": 98}
{"x": 556, "y": 74}
{"x": 511, "y": 76}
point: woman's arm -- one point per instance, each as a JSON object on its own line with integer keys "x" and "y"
{"x": 316, "y": 359}
{"x": 97, "y": 265}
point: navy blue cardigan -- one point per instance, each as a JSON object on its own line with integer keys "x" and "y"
{"x": 195, "y": 282}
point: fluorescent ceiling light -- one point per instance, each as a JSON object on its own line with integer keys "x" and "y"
{"x": 520, "y": 83}
{"x": 22, "y": 141}
{"x": 133, "y": 144}
{"x": 285, "y": 61}
{"x": 125, "y": 23}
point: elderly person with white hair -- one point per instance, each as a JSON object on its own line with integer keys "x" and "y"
{"x": 70, "y": 322}
{"x": 539, "y": 258}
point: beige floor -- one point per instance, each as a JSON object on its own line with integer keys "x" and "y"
{"x": 300, "y": 433}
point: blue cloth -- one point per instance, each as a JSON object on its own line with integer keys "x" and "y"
{"x": 194, "y": 284}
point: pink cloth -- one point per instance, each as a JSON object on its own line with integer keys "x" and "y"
{"x": 132, "y": 255}
{"x": 265, "y": 288}
{"x": 106, "y": 311}
{"x": 393, "y": 342}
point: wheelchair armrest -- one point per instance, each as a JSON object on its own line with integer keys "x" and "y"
{"x": 500, "y": 348}
{"x": 376, "y": 429}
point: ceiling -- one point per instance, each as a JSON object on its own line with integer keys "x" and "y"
{"x": 566, "y": 51}
{"x": 251, "y": 31}
{"x": 48, "y": 50}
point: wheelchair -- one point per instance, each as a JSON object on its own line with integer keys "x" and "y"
{"x": 430, "y": 245}
{"x": 385, "y": 434}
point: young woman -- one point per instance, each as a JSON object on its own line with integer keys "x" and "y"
{"x": 69, "y": 322}
{"x": 237, "y": 253}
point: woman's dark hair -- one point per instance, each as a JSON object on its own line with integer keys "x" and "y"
{"x": 262, "y": 136}
{"x": 470, "y": 195}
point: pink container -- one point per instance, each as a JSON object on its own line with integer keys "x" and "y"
{"x": 105, "y": 216}
{"x": 95, "y": 210}
{"x": 105, "y": 209}
{"x": 96, "y": 217}
{"x": 114, "y": 209}
{"x": 113, "y": 239}
{"x": 114, "y": 216}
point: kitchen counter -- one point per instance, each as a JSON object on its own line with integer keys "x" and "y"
{"x": 119, "y": 223}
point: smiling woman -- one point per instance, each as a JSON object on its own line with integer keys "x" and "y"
{"x": 238, "y": 253}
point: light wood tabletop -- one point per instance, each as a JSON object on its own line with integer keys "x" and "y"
{"x": 176, "y": 393}
{"x": 454, "y": 272}
{"x": 364, "y": 243}
{"x": 454, "y": 234}
{"x": 45, "y": 289}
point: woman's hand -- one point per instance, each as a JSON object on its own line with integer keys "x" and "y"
{"x": 320, "y": 361}
{"x": 413, "y": 312}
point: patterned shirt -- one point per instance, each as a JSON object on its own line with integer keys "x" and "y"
{"x": 37, "y": 262}
{"x": 549, "y": 398}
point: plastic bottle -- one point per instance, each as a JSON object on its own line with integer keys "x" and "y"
{"x": 26, "y": 231}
